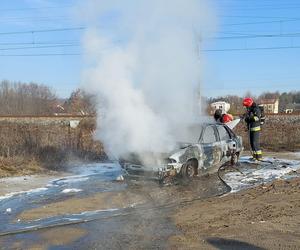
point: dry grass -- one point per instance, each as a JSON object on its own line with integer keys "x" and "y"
{"x": 16, "y": 166}
{"x": 29, "y": 147}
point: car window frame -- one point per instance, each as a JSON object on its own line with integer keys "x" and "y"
{"x": 227, "y": 130}
{"x": 215, "y": 133}
{"x": 232, "y": 134}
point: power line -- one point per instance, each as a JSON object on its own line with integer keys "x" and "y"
{"x": 266, "y": 7}
{"x": 205, "y": 50}
{"x": 41, "y": 43}
{"x": 35, "y": 19}
{"x": 263, "y": 22}
{"x": 31, "y": 17}
{"x": 36, "y": 8}
{"x": 269, "y": 8}
{"x": 41, "y": 47}
{"x": 83, "y": 28}
{"x": 249, "y": 49}
{"x": 258, "y": 17}
{"x": 77, "y": 42}
{"x": 42, "y": 30}
{"x": 236, "y": 33}
{"x": 45, "y": 54}
{"x": 259, "y": 36}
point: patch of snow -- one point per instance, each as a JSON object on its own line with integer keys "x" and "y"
{"x": 89, "y": 213}
{"x": 71, "y": 190}
{"x": 51, "y": 185}
{"x": 71, "y": 179}
{"x": 94, "y": 168}
{"x": 9, "y": 195}
{"x": 120, "y": 178}
{"x": 262, "y": 173}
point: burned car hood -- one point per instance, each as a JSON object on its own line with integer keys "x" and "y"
{"x": 156, "y": 158}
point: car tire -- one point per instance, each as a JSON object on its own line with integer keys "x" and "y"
{"x": 189, "y": 169}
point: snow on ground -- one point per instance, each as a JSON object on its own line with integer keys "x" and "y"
{"x": 23, "y": 183}
{"x": 71, "y": 190}
{"x": 253, "y": 174}
{"x": 13, "y": 186}
{"x": 85, "y": 170}
{"x": 9, "y": 195}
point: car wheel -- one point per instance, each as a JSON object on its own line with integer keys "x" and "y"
{"x": 189, "y": 169}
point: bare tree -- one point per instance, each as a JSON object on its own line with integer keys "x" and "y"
{"x": 18, "y": 98}
{"x": 81, "y": 103}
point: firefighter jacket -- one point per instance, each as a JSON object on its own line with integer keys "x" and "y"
{"x": 252, "y": 118}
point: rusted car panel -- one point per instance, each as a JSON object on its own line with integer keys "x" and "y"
{"x": 213, "y": 146}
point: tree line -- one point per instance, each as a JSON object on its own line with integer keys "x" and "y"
{"x": 285, "y": 100}
{"x": 17, "y": 98}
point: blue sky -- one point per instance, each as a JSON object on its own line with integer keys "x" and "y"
{"x": 257, "y": 70}
{"x": 262, "y": 30}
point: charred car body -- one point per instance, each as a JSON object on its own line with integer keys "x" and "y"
{"x": 202, "y": 149}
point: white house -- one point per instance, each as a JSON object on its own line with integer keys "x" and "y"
{"x": 271, "y": 106}
{"x": 224, "y": 106}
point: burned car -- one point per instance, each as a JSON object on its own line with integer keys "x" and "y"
{"x": 201, "y": 149}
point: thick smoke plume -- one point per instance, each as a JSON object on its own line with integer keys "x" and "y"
{"x": 145, "y": 68}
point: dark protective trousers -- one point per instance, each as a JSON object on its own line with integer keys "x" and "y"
{"x": 254, "y": 143}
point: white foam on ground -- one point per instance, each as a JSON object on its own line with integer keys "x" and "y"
{"x": 70, "y": 179}
{"x": 260, "y": 173}
{"x": 9, "y": 195}
{"x": 94, "y": 168}
{"x": 71, "y": 190}
{"x": 82, "y": 172}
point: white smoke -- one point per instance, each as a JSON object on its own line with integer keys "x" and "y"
{"x": 145, "y": 68}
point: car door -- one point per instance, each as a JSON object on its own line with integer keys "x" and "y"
{"x": 211, "y": 147}
{"x": 225, "y": 139}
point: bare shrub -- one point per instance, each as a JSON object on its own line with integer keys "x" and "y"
{"x": 52, "y": 142}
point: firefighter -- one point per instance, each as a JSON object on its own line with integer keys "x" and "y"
{"x": 222, "y": 118}
{"x": 227, "y": 118}
{"x": 252, "y": 118}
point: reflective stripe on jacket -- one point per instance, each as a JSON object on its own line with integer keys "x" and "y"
{"x": 254, "y": 129}
{"x": 253, "y": 118}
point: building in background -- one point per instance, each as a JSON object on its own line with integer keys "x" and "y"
{"x": 224, "y": 106}
{"x": 271, "y": 106}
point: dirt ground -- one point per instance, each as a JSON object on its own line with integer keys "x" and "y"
{"x": 54, "y": 237}
{"x": 265, "y": 217}
{"x": 100, "y": 201}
